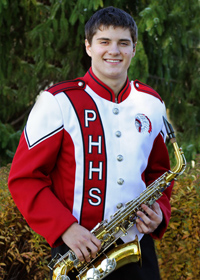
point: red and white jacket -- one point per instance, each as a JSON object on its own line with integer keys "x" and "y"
{"x": 83, "y": 152}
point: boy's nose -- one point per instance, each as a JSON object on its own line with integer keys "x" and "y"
{"x": 114, "y": 49}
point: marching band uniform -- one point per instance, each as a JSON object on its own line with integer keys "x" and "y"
{"x": 83, "y": 152}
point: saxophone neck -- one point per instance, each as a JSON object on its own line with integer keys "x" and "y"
{"x": 180, "y": 166}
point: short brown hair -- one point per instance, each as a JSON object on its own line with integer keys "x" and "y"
{"x": 110, "y": 16}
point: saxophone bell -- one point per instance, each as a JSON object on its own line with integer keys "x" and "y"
{"x": 113, "y": 258}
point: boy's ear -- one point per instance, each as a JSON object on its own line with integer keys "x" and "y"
{"x": 88, "y": 47}
{"x": 134, "y": 50}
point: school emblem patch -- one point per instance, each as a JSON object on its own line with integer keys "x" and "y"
{"x": 143, "y": 124}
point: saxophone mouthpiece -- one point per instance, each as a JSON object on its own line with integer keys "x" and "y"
{"x": 169, "y": 129}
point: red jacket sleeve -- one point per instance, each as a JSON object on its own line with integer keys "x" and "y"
{"x": 158, "y": 164}
{"x": 31, "y": 186}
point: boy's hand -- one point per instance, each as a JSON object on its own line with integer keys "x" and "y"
{"x": 82, "y": 242}
{"x": 151, "y": 218}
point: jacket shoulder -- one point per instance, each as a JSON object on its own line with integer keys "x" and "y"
{"x": 139, "y": 86}
{"x": 75, "y": 84}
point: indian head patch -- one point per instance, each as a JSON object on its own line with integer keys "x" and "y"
{"x": 143, "y": 124}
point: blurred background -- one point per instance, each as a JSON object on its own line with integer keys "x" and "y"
{"x": 42, "y": 43}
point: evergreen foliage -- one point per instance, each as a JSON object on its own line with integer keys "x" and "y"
{"x": 42, "y": 42}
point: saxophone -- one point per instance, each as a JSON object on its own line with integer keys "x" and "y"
{"x": 111, "y": 255}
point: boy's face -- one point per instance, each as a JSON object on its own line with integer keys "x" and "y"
{"x": 111, "y": 51}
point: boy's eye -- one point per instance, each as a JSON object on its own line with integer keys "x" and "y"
{"x": 104, "y": 42}
{"x": 124, "y": 43}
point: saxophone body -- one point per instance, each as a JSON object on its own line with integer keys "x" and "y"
{"x": 112, "y": 255}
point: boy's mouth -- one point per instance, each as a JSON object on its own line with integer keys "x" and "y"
{"x": 113, "y": 60}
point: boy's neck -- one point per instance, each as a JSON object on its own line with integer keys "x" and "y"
{"x": 115, "y": 85}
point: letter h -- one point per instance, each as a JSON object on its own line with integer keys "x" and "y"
{"x": 91, "y": 143}
{"x": 93, "y": 169}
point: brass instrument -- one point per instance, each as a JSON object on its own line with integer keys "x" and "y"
{"x": 112, "y": 256}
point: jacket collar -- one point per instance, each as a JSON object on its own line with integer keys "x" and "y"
{"x": 104, "y": 91}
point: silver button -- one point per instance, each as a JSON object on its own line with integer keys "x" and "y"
{"x": 120, "y": 158}
{"x": 116, "y": 111}
{"x": 137, "y": 85}
{"x": 80, "y": 84}
{"x": 119, "y": 205}
{"x": 120, "y": 181}
{"x": 118, "y": 133}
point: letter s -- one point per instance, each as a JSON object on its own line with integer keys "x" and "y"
{"x": 94, "y": 196}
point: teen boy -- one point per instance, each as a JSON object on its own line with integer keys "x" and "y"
{"x": 91, "y": 144}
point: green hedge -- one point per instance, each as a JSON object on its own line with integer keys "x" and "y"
{"x": 25, "y": 254}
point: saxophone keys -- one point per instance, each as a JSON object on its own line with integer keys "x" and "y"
{"x": 106, "y": 237}
{"x": 62, "y": 277}
{"x": 108, "y": 265}
{"x": 132, "y": 218}
{"x": 93, "y": 274}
